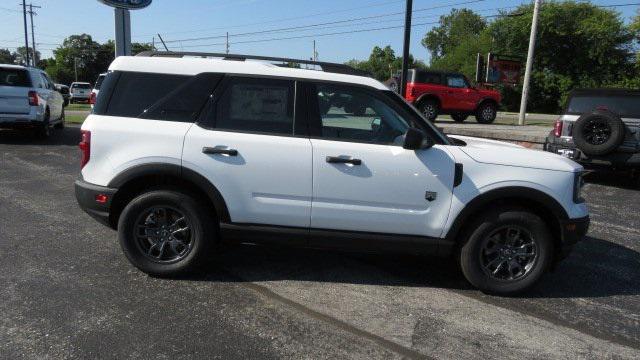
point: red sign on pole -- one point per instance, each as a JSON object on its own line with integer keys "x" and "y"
{"x": 503, "y": 69}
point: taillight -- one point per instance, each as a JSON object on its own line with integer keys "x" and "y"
{"x": 92, "y": 98}
{"x": 557, "y": 128}
{"x": 85, "y": 147}
{"x": 33, "y": 98}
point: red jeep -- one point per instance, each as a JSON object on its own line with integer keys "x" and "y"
{"x": 435, "y": 92}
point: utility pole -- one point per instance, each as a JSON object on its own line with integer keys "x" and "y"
{"x": 163, "y": 43}
{"x": 405, "y": 51}
{"x": 26, "y": 36}
{"x": 75, "y": 68}
{"x": 227, "y": 44}
{"x": 33, "y": 35}
{"x": 527, "y": 74}
{"x": 315, "y": 53}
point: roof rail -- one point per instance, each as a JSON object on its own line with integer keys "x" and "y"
{"x": 325, "y": 66}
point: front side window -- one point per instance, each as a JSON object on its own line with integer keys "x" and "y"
{"x": 456, "y": 81}
{"x": 353, "y": 114}
{"x": 256, "y": 105}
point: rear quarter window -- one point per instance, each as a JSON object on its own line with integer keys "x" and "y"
{"x": 623, "y": 105}
{"x": 14, "y": 77}
{"x": 428, "y": 78}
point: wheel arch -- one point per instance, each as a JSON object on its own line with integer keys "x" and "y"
{"x": 135, "y": 180}
{"x": 487, "y": 99}
{"x": 542, "y": 204}
{"x": 427, "y": 96}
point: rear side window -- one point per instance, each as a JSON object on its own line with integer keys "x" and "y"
{"x": 136, "y": 92}
{"x": 14, "y": 77}
{"x": 99, "y": 82}
{"x": 623, "y": 105}
{"x": 256, "y": 105}
{"x": 428, "y": 78}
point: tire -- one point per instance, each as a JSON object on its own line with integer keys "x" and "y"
{"x": 430, "y": 109}
{"x": 60, "y": 125}
{"x": 479, "y": 257}
{"x": 486, "y": 113}
{"x": 598, "y": 133}
{"x": 175, "y": 257}
{"x": 458, "y": 117}
{"x": 44, "y": 131}
{"x": 393, "y": 84}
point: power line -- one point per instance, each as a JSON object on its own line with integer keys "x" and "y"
{"x": 329, "y": 22}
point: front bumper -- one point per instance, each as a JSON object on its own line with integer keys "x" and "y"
{"x": 572, "y": 231}
{"x": 86, "y": 195}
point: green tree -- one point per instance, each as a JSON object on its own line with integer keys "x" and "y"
{"x": 383, "y": 63}
{"x": 6, "y": 57}
{"x": 20, "y": 55}
{"x": 453, "y": 29}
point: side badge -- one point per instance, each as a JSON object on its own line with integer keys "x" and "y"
{"x": 431, "y": 196}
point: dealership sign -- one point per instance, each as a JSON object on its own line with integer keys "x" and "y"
{"x": 127, "y": 4}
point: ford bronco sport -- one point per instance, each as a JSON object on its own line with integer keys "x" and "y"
{"x": 599, "y": 128}
{"x": 187, "y": 151}
{"x": 434, "y": 93}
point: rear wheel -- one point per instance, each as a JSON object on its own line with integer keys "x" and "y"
{"x": 507, "y": 251}
{"x": 44, "y": 131}
{"x": 459, "y": 117}
{"x": 430, "y": 109}
{"x": 486, "y": 113}
{"x": 166, "y": 233}
{"x": 61, "y": 123}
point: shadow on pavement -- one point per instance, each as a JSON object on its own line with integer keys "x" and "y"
{"x": 68, "y": 136}
{"x": 623, "y": 179}
{"x": 596, "y": 268}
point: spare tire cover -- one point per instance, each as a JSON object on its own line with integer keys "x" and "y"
{"x": 598, "y": 132}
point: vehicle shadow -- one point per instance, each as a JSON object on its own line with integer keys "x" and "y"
{"x": 69, "y": 136}
{"x": 623, "y": 179}
{"x": 596, "y": 268}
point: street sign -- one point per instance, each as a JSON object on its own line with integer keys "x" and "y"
{"x": 127, "y": 4}
{"x": 503, "y": 69}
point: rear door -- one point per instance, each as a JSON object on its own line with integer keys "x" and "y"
{"x": 248, "y": 148}
{"x": 14, "y": 89}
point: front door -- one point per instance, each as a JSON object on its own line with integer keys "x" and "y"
{"x": 248, "y": 149}
{"x": 363, "y": 180}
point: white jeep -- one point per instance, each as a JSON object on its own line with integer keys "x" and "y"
{"x": 188, "y": 151}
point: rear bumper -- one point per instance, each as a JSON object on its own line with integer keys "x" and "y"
{"x": 20, "y": 121}
{"x": 572, "y": 231}
{"x": 86, "y": 194}
{"x": 568, "y": 149}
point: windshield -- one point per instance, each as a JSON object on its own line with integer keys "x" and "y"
{"x": 14, "y": 77}
{"x": 623, "y": 105}
{"x": 81, "y": 86}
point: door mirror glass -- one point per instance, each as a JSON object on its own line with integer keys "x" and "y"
{"x": 415, "y": 139}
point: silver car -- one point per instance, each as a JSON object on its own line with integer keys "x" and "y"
{"x": 29, "y": 100}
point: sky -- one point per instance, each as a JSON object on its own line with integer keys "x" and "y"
{"x": 187, "y": 19}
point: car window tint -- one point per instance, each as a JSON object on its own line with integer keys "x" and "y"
{"x": 456, "y": 81}
{"x": 352, "y": 114}
{"x": 256, "y": 105}
{"x": 136, "y": 92}
{"x": 623, "y": 105}
{"x": 185, "y": 102}
{"x": 99, "y": 82}
{"x": 14, "y": 77}
{"x": 428, "y": 78}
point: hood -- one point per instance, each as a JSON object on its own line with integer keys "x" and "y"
{"x": 503, "y": 153}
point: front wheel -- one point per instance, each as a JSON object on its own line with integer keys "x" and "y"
{"x": 507, "y": 251}
{"x": 166, "y": 233}
{"x": 486, "y": 113}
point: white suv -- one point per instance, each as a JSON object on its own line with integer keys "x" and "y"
{"x": 182, "y": 154}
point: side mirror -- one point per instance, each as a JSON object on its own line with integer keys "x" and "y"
{"x": 415, "y": 139}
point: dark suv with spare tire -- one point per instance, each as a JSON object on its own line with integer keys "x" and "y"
{"x": 600, "y": 127}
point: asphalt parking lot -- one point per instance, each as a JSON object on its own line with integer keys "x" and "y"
{"x": 66, "y": 290}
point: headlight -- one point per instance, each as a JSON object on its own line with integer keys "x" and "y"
{"x": 578, "y": 183}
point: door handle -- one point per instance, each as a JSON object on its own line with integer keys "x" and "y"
{"x": 218, "y": 150}
{"x": 343, "y": 160}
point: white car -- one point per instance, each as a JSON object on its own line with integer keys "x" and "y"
{"x": 80, "y": 92}
{"x": 96, "y": 89}
{"x": 185, "y": 154}
{"x": 29, "y": 100}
